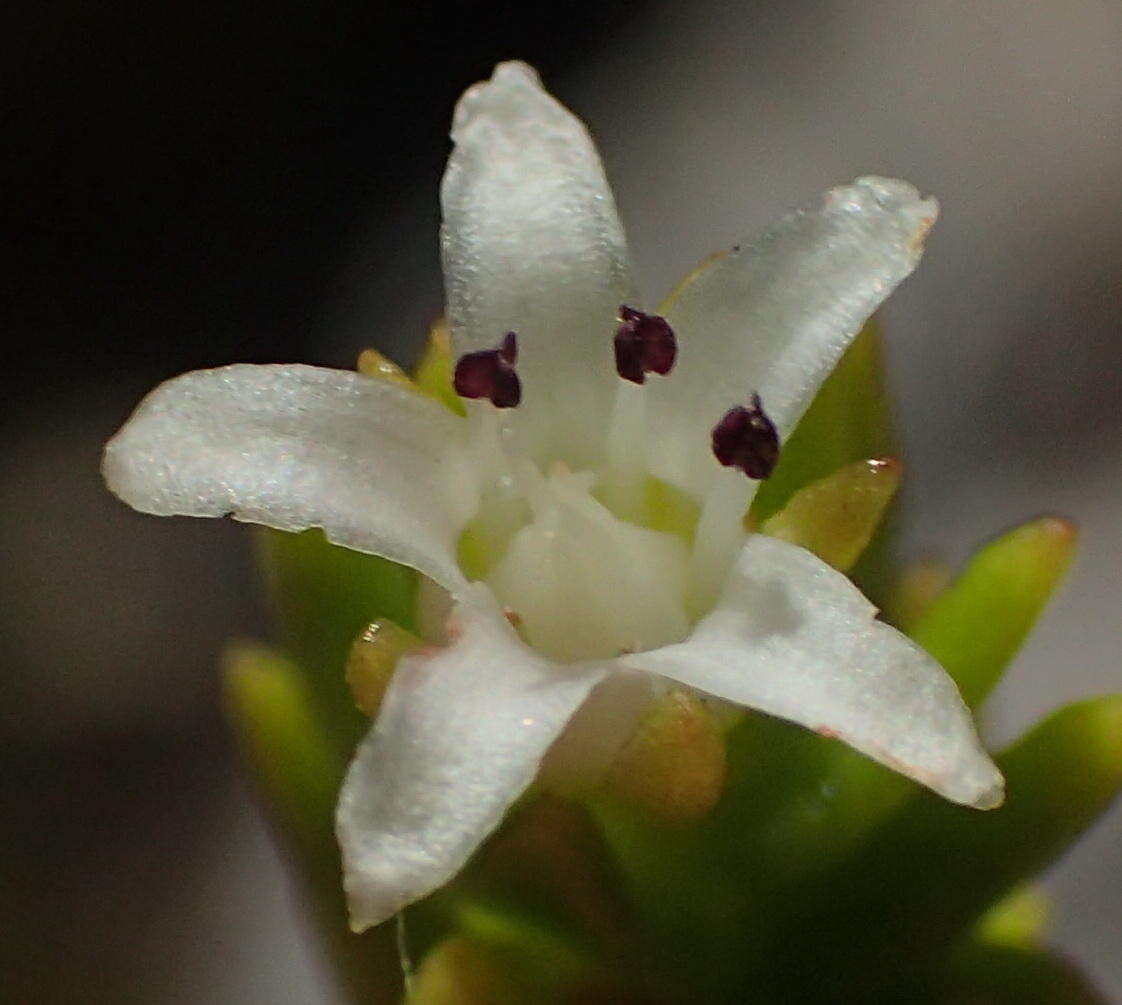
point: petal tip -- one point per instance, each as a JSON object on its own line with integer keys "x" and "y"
{"x": 992, "y": 797}
{"x": 897, "y": 194}
{"x": 978, "y": 783}
{"x": 123, "y": 471}
{"x": 364, "y": 908}
{"x": 112, "y": 467}
{"x": 511, "y": 83}
{"x": 896, "y": 197}
{"x": 516, "y": 70}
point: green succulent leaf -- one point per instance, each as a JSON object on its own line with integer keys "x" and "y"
{"x": 1020, "y": 920}
{"x": 929, "y": 874}
{"x": 297, "y": 771}
{"x": 975, "y": 627}
{"x": 535, "y": 956}
{"x": 460, "y": 971}
{"x": 849, "y": 420}
{"x": 282, "y": 743}
{"x": 920, "y": 583}
{"x": 1009, "y": 975}
{"x": 836, "y": 516}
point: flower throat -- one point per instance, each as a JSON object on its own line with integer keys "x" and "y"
{"x": 599, "y": 562}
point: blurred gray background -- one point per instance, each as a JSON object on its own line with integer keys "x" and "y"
{"x": 193, "y": 186}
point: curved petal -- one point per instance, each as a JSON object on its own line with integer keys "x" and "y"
{"x": 294, "y": 447}
{"x": 532, "y": 244}
{"x": 775, "y": 317}
{"x": 459, "y": 737}
{"x": 794, "y": 638}
{"x": 599, "y": 729}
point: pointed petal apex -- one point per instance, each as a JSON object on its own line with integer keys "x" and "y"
{"x": 777, "y": 315}
{"x": 794, "y": 638}
{"x": 532, "y": 242}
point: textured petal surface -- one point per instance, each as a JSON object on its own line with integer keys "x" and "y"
{"x": 775, "y": 317}
{"x": 294, "y": 447}
{"x": 532, "y": 244}
{"x": 460, "y": 736}
{"x": 794, "y": 638}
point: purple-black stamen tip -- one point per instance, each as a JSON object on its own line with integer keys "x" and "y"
{"x": 644, "y": 344}
{"x": 508, "y": 349}
{"x": 747, "y": 439}
{"x": 490, "y": 374}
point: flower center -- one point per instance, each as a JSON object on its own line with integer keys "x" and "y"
{"x": 587, "y": 584}
{"x": 593, "y": 562}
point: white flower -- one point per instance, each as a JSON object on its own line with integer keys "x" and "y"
{"x": 532, "y": 244}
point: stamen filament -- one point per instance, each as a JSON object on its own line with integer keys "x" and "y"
{"x": 623, "y": 485}
{"x": 506, "y": 479}
{"x": 720, "y": 533}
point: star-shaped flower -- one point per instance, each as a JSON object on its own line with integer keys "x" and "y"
{"x": 550, "y": 474}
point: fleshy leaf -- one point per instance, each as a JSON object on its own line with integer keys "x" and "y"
{"x": 531, "y": 950}
{"x": 937, "y": 873}
{"x": 1009, "y": 975}
{"x": 673, "y": 767}
{"x": 1020, "y": 920}
{"x": 913, "y": 592}
{"x": 297, "y": 771}
{"x": 977, "y": 625}
{"x": 373, "y": 659}
{"x": 283, "y": 744}
{"x": 849, "y": 420}
{"x": 836, "y": 516}
{"x": 459, "y": 971}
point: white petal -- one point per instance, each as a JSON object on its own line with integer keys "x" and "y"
{"x": 294, "y": 447}
{"x": 794, "y": 638}
{"x": 776, "y": 316}
{"x": 459, "y": 737}
{"x": 599, "y": 729}
{"x": 532, "y": 244}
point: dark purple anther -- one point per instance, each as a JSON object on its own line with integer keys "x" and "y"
{"x": 746, "y": 438}
{"x": 645, "y": 344}
{"x": 490, "y": 374}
